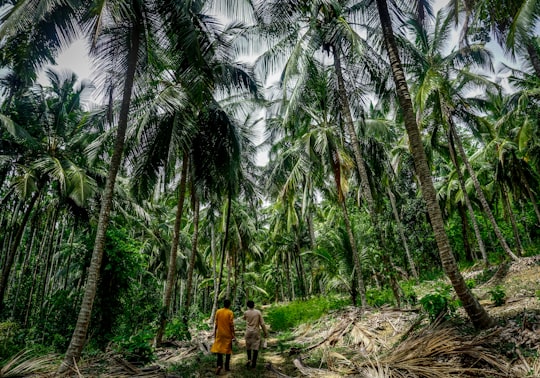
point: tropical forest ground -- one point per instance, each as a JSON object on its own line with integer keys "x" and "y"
{"x": 378, "y": 342}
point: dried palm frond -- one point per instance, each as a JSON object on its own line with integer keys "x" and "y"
{"x": 367, "y": 339}
{"x": 437, "y": 353}
{"x": 24, "y": 364}
{"x": 313, "y": 372}
{"x": 525, "y": 368}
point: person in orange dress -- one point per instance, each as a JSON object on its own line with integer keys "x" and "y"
{"x": 223, "y": 336}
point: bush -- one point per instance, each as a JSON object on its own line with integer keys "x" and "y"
{"x": 378, "y": 298}
{"x": 498, "y": 295}
{"x": 439, "y": 305}
{"x": 137, "y": 348}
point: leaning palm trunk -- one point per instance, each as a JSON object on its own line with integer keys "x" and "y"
{"x": 171, "y": 272}
{"x": 478, "y": 315}
{"x": 470, "y": 209}
{"x": 78, "y": 338}
{"x": 480, "y": 192}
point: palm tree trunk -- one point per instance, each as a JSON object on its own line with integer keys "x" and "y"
{"x": 171, "y": 272}
{"x": 192, "y": 258}
{"x": 478, "y": 315}
{"x": 8, "y": 263}
{"x": 480, "y": 192}
{"x": 356, "y": 257}
{"x": 346, "y": 111}
{"x": 512, "y": 218}
{"x": 73, "y": 353}
{"x": 470, "y": 209}
{"x": 410, "y": 260}
{"x": 222, "y": 263}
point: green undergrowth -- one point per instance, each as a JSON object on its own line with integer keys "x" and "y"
{"x": 286, "y": 316}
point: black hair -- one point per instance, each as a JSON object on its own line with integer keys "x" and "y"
{"x": 227, "y": 303}
{"x": 250, "y": 304}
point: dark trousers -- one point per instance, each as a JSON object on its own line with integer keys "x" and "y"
{"x": 252, "y": 358}
{"x": 227, "y": 361}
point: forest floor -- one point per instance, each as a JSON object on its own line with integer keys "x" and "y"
{"x": 383, "y": 342}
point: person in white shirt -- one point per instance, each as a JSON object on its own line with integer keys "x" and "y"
{"x": 254, "y": 321}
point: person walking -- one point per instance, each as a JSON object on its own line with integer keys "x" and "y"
{"x": 223, "y": 336}
{"x": 254, "y": 321}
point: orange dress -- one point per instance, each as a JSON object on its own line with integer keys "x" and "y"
{"x": 224, "y": 334}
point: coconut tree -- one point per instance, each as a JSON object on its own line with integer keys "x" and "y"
{"x": 478, "y": 315}
{"x": 129, "y": 35}
{"x": 441, "y": 82}
{"x": 48, "y": 149}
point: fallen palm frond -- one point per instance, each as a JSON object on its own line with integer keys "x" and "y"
{"x": 24, "y": 364}
{"x": 525, "y": 368}
{"x": 436, "y": 352}
{"x": 313, "y": 372}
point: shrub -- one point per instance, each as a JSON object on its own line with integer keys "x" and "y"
{"x": 137, "y": 348}
{"x": 439, "y": 305}
{"x": 498, "y": 295}
{"x": 378, "y": 298}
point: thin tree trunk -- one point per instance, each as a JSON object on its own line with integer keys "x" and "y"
{"x": 478, "y": 315}
{"x": 356, "y": 256}
{"x": 78, "y": 339}
{"x": 470, "y": 209}
{"x": 480, "y": 193}
{"x": 8, "y": 263}
{"x": 512, "y": 218}
{"x": 192, "y": 258}
{"x": 410, "y": 260}
{"x": 222, "y": 263}
{"x": 171, "y": 272}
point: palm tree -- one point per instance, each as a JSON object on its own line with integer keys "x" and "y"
{"x": 475, "y": 311}
{"x": 136, "y": 28}
{"x": 48, "y": 149}
{"x": 440, "y": 82}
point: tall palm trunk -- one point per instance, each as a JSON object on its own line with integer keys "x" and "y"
{"x": 470, "y": 209}
{"x": 171, "y": 272}
{"x": 510, "y": 214}
{"x": 361, "y": 289}
{"x": 346, "y": 112}
{"x": 410, "y": 260}
{"x": 8, "y": 263}
{"x": 78, "y": 338}
{"x": 478, "y": 315}
{"x": 217, "y": 285}
{"x": 192, "y": 258}
{"x": 480, "y": 192}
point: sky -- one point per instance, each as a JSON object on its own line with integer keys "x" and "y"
{"x": 76, "y": 58}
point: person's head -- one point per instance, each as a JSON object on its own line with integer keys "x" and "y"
{"x": 250, "y": 304}
{"x": 227, "y": 303}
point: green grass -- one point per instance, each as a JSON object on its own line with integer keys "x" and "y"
{"x": 285, "y": 317}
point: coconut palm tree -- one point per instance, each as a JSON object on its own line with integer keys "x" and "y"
{"x": 441, "y": 82}
{"x": 478, "y": 315}
{"x": 45, "y": 126}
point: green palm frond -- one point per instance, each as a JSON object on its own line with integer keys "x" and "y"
{"x": 18, "y": 132}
